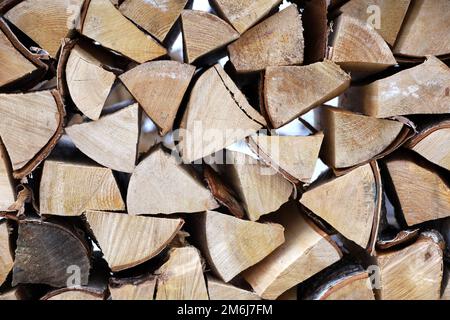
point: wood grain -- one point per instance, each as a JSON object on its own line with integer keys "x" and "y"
{"x": 219, "y": 290}
{"x": 6, "y": 257}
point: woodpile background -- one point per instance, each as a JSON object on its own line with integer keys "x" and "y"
{"x": 250, "y": 150}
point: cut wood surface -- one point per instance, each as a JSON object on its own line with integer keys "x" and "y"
{"x": 292, "y": 91}
{"x": 111, "y": 141}
{"x": 261, "y": 188}
{"x": 155, "y": 17}
{"x": 88, "y": 82}
{"x": 203, "y": 33}
{"x": 69, "y": 189}
{"x": 7, "y": 192}
{"x": 181, "y": 277}
{"x": 46, "y": 22}
{"x": 159, "y": 87}
{"x": 419, "y": 90}
{"x": 6, "y": 258}
{"x": 127, "y": 241}
{"x": 425, "y": 29}
{"x": 219, "y": 290}
{"x": 106, "y": 25}
{"x": 306, "y": 251}
{"x": 243, "y": 14}
{"x": 277, "y": 41}
{"x": 161, "y": 185}
{"x": 204, "y": 128}
{"x": 16, "y": 293}
{"x": 232, "y": 245}
{"x": 357, "y": 46}
{"x": 81, "y": 294}
{"x": 133, "y": 288}
{"x": 419, "y": 202}
{"x": 347, "y": 203}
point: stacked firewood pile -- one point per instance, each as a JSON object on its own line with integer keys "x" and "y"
{"x": 152, "y": 150}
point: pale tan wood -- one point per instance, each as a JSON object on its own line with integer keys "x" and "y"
{"x": 69, "y": 189}
{"x": 423, "y": 194}
{"x": 105, "y": 24}
{"x": 74, "y": 295}
{"x": 161, "y": 185}
{"x": 306, "y": 251}
{"x": 204, "y": 128}
{"x": 155, "y": 17}
{"x": 355, "y": 286}
{"x": 243, "y": 14}
{"x": 436, "y": 148}
{"x": 292, "y": 91}
{"x": 356, "y": 46}
{"x": 27, "y": 123}
{"x": 291, "y": 294}
{"x": 425, "y": 31}
{"x": 127, "y": 241}
{"x": 88, "y": 82}
{"x": 111, "y": 141}
{"x": 392, "y": 14}
{"x": 203, "y": 33}
{"x": 159, "y": 87}
{"x": 6, "y": 258}
{"x": 219, "y": 290}
{"x": 347, "y": 203}
{"x": 134, "y": 290}
{"x": 277, "y": 41}
{"x": 15, "y": 293}
{"x": 181, "y": 277}
{"x": 7, "y": 193}
{"x": 418, "y": 90}
{"x": 352, "y": 139}
{"x": 232, "y": 245}
{"x": 261, "y": 188}
{"x": 46, "y": 22}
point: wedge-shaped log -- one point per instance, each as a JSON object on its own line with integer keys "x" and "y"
{"x": 6, "y": 257}
{"x": 159, "y": 87}
{"x": 69, "y": 189}
{"x": 425, "y": 30}
{"x": 205, "y": 129}
{"x": 219, "y": 290}
{"x": 203, "y": 33}
{"x": 232, "y": 245}
{"x": 74, "y": 294}
{"x": 155, "y": 17}
{"x": 47, "y": 252}
{"x": 422, "y": 192}
{"x": 181, "y": 277}
{"x": 106, "y": 25}
{"x": 261, "y": 188}
{"x": 160, "y": 185}
{"x": 46, "y": 22}
{"x": 357, "y": 46}
{"x": 111, "y": 141}
{"x": 419, "y": 90}
{"x": 347, "y": 203}
{"x": 244, "y": 14}
{"x": 292, "y": 91}
{"x": 138, "y": 288}
{"x": 7, "y": 193}
{"x": 277, "y": 41}
{"x": 306, "y": 251}
{"x": 147, "y": 237}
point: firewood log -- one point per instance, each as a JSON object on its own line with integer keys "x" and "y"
{"x": 137, "y": 288}
{"x": 219, "y": 290}
{"x": 6, "y": 257}
{"x": 7, "y": 193}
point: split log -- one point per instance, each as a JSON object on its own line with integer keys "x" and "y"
{"x": 7, "y": 192}
{"x": 261, "y": 188}
{"x": 316, "y": 30}
{"x": 290, "y": 92}
{"x": 50, "y": 253}
{"x": 161, "y": 185}
{"x": 16, "y": 293}
{"x": 391, "y": 15}
{"x": 155, "y": 17}
{"x": 106, "y": 25}
{"x": 204, "y": 129}
{"x": 204, "y": 33}
{"x": 277, "y": 41}
{"x": 424, "y": 201}
{"x": 46, "y": 22}
{"x": 69, "y": 189}
{"x": 290, "y": 295}
{"x": 232, "y": 245}
{"x": 30, "y": 126}
{"x": 219, "y": 290}
{"x": 6, "y": 257}
{"x": 111, "y": 141}
{"x": 419, "y": 90}
{"x": 306, "y": 251}
{"x": 88, "y": 82}
{"x": 181, "y": 277}
{"x": 243, "y": 14}
{"x": 357, "y": 46}
{"x": 425, "y": 29}
{"x": 145, "y": 237}
{"x": 138, "y": 288}
{"x": 74, "y": 294}
{"x": 159, "y": 87}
